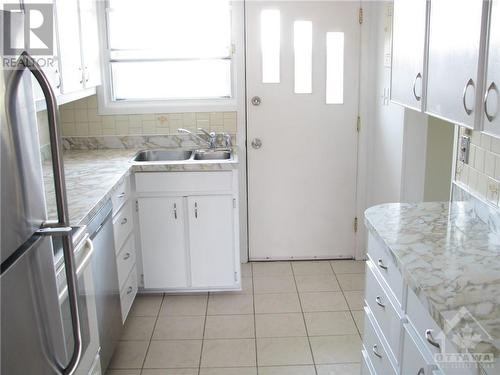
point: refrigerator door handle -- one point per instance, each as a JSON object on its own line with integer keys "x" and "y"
{"x": 25, "y": 61}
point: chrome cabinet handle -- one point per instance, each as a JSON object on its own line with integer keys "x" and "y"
{"x": 175, "y": 211}
{"x": 381, "y": 264}
{"x": 492, "y": 87}
{"x": 421, "y": 371}
{"x": 121, "y": 195}
{"x": 127, "y": 256}
{"x": 378, "y": 299}
{"x": 129, "y": 290}
{"x": 25, "y": 61}
{"x": 196, "y": 210}
{"x": 375, "y": 351}
{"x": 124, "y": 221}
{"x": 470, "y": 83}
{"x": 430, "y": 339}
{"x": 419, "y": 76}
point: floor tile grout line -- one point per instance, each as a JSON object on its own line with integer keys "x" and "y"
{"x": 152, "y": 333}
{"x": 350, "y": 311}
{"x": 254, "y": 320}
{"x": 203, "y": 335}
{"x": 304, "y": 320}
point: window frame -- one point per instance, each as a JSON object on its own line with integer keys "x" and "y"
{"x": 108, "y": 106}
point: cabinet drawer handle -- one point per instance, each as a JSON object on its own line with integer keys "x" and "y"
{"x": 421, "y": 371}
{"x": 378, "y": 299}
{"x": 375, "y": 351}
{"x": 470, "y": 83}
{"x": 121, "y": 195}
{"x": 381, "y": 264}
{"x": 492, "y": 87}
{"x": 124, "y": 221}
{"x": 430, "y": 339}
{"x": 127, "y": 256}
{"x": 129, "y": 290}
{"x": 196, "y": 210}
{"x": 419, "y": 76}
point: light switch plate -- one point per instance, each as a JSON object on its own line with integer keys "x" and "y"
{"x": 464, "y": 148}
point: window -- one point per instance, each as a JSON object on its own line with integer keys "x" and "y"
{"x": 270, "y": 40}
{"x": 169, "y": 50}
{"x": 334, "y": 68}
{"x": 302, "y": 47}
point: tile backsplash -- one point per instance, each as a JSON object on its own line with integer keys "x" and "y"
{"x": 482, "y": 174}
{"x": 80, "y": 118}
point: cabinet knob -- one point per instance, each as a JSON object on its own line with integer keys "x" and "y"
{"x": 430, "y": 339}
{"x": 378, "y": 299}
{"x": 129, "y": 290}
{"x": 381, "y": 264}
{"x": 127, "y": 256}
{"x": 124, "y": 221}
{"x": 375, "y": 351}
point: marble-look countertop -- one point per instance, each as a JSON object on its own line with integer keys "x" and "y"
{"x": 451, "y": 260}
{"x": 91, "y": 176}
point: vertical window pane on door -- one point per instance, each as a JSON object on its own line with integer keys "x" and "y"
{"x": 302, "y": 49}
{"x": 270, "y": 39}
{"x": 334, "y": 68}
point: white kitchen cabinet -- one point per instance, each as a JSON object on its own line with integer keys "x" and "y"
{"x": 163, "y": 240}
{"x": 211, "y": 240}
{"x": 408, "y": 53}
{"x": 90, "y": 43}
{"x": 69, "y": 45}
{"x": 456, "y": 36}
{"x": 491, "y": 104}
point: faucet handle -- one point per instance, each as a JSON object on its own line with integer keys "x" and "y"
{"x": 227, "y": 140}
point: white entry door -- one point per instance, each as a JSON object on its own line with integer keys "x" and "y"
{"x": 302, "y": 89}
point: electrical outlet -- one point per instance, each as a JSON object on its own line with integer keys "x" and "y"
{"x": 464, "y": 147}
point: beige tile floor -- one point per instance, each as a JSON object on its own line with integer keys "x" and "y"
{"x": 293, "y": 318}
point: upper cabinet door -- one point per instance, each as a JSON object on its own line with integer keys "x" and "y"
{"x": 408, "y": 54}
{"x": 68, "y": 40}
{"x": 491, "y": 99}
{"x": 90, "y": 43}
{"x": 455, "y": 47}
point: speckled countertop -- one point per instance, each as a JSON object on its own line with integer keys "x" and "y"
{"x": 451, "y": 260}
{"x": 91, "y": 176}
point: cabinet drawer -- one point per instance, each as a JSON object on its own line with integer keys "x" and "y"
{"x": 184, "y": 182}
{"x": 122, "y": 225}
{"x": 128, "y": 293}
{"x": 372, "y": 344}
{"x": 120, "y": 194}
{"x": 125, "y": 260}
{"x": 386, "y": 267}
{"x": 414, "y": 360}
{"x": 383, "y": 309}
{"x": 421, "y": 322}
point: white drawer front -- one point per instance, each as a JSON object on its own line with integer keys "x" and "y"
{"x": 428, "y": 332}
{"x": 383, "y": 310}
{"x": 122, "y": 225}
{"x": 184, "y": 182}
{"x": 125, "y": 260}
{"x": 128, "y": 293}
{"x": 414, "y": 360}
{"x": 386, "y": 267}
{"x": 374, "y": 347}
{"x": 120, "y": 195}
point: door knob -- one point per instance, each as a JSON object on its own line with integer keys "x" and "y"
{"x": 256, "y": 100}
{"x": 256, "y": 143}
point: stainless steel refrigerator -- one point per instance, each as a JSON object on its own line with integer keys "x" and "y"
{"x": 33, "y": 336}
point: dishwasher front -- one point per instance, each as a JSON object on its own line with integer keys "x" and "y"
{"x": 107, "y": 289}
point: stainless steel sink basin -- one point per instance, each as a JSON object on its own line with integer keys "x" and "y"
{"x": 212, "y": 155}
{"x": 162, "y": 155}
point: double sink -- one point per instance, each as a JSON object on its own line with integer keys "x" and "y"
{"x": 152, "y": 156}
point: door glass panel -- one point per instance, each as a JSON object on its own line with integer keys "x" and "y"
{"x": 335, "y": 68}
{"x": 302, "y": 47}
{"x": 270, "y": 38}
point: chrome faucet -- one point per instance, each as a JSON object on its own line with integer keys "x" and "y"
{"x": 228, "y": 142}
{"x": 211, "y": 140}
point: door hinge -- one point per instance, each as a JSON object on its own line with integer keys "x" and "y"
{"x": 235, "y": 276}
{"x": 360, "y": 16}
{"x": 233, "y": 49}
{"x": 355, "y": 225}
{"x": 136, "y": 206}
{"x": 358, "y": 124}
{"x": 234, "y": 202}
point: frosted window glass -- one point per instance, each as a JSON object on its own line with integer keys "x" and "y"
{"x": 270, "y": 39}
{"x": 334, "y": 68}
{"x": 302, "y": 48}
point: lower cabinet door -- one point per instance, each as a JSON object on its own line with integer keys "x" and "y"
{"x": 211, "y": 239}
{"x": 163, "y": 242}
